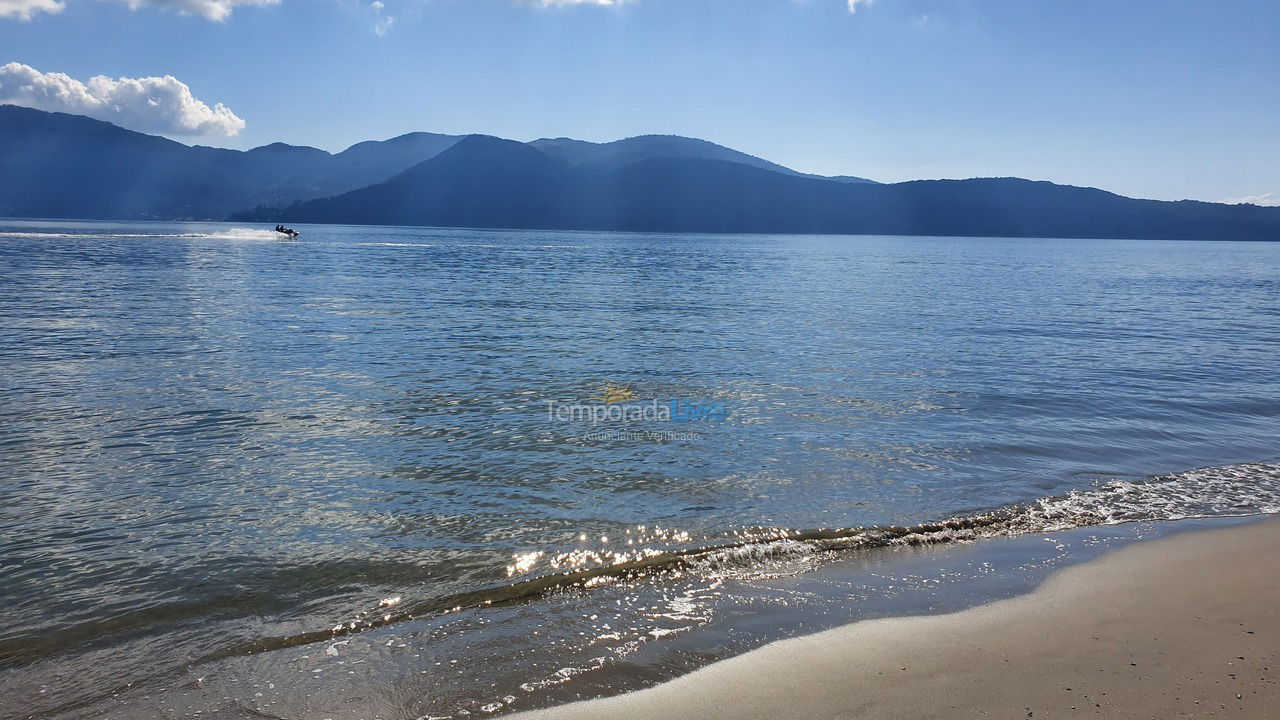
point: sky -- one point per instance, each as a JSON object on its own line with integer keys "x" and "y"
{"x": 1165, "y": 99}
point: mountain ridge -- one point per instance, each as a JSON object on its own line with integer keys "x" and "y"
{"x": 617, "y": 153}
{"x": 124, "y": 174}
{"x": 60, "y": 165}
{"x": 63, "y": 165}
{"x": 491, "y": 183}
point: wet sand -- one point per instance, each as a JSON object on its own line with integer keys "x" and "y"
{"x": 1187, "y": 626}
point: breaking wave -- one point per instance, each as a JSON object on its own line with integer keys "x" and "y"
{"x": 1227, "y": 491}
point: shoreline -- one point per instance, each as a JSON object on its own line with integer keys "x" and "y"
{"x": 1183, "y": 626}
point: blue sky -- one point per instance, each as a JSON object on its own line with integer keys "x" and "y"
{"x": 1150, "y": 98}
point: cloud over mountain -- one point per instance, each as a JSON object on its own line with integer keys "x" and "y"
{"x": 1265, "y": 199}
{"x": 151, "y": 104}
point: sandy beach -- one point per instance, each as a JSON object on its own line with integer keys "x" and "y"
{"x": 1182, "y": 627}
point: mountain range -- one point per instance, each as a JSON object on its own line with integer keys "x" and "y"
{"x": 67, "y": 166}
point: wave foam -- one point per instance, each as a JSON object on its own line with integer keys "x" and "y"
{"x": 1228, "y": 491}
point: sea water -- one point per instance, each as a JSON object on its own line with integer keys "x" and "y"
{"x": 408, "y": 472}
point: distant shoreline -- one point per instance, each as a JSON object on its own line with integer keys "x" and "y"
{"x": 644, "y": 233}
{"x": 1183, "y": 626}
{"x": 60, "y": 165}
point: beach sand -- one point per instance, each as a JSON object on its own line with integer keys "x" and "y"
{"x": 1188, "y": 626}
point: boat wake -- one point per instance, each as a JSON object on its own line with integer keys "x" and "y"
{"x": 230, "y": 234}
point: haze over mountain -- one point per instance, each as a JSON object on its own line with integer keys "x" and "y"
{"x": 58, "y": 165}
{"x": 489, "y": 182}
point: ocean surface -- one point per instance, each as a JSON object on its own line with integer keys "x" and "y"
{"x": 408, "y": 473}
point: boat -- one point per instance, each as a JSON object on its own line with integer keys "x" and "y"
{"x": 287, "y": 232}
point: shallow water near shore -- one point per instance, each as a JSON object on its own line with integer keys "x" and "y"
{"x": 326, "y": 478}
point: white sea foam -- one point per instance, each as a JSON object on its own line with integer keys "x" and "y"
{"x": 1224, "y": 491}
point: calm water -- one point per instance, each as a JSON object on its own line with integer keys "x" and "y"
{"x": 217, "y": 448}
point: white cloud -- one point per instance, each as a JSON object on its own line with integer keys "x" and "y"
{"x": 150, "y": 104}
{"x": 560, "y": 3}
{"x": 25, "y": 9}
{"x": 216, "y": 10}
{"x": 853, "y": 4}
{"x": 1263, "y": 199}
{"x": 382, "y": 22}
